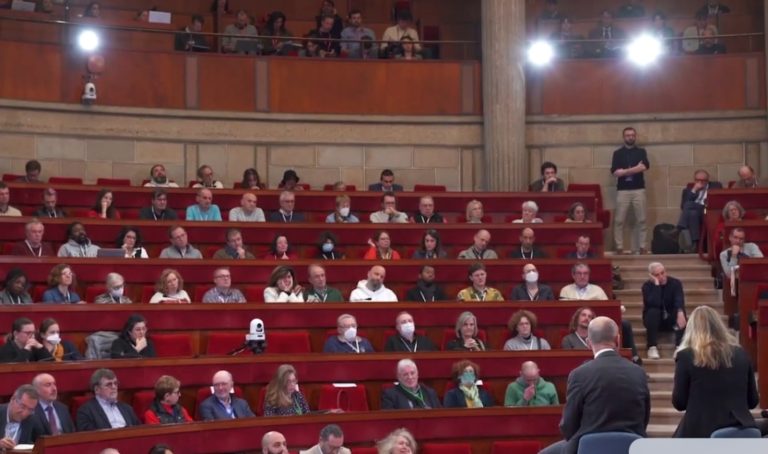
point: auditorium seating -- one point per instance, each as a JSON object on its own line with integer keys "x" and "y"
{"x": 753, "y": 200}
{"x": 753, "y": 317}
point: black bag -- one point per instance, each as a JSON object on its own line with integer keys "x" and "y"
{"x": 665, "y": 239}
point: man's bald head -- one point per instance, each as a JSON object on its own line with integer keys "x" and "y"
{"x": 602, "y": 333}
{"x": 109, "y": 451}
{"x": 529, "y": 371}
{"x": 274, "y": 443}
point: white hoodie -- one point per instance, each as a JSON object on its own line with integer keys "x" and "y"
{"x": 363, "y": 293}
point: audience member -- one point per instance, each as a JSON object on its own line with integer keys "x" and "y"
{"x": 327, "y": 36}
{"x": 33, "y": 244}
{"x": 609, "y": 37}
{"x": 277, "y": 41}
{"x": 283, "y": 397}
{"x": 103, "y": 208}
{"x": 733, "y": 211}
{"x": 381, "y": 248}
{"x": 347, "y": 340}
{"x": 92, "y": 10}
{"x": 280, "y": 249}
{"x": 247, "y": 211}
{"x": 290, "y": 181}
{"x": 165, "y": 408}
{"x": 342, "y": 214}
{"x": 479, "y": 249}
{"x": 52, "y": 416}
{"x": 318, "y": 290}
{"x": 628, "y": 165}
{"x": 5, "y": 199}
{"x": 474, "y": 212}
{"x": 331, "y": 441}
{"x": 15, "y": 288}
{"x": 583, "y": 251}
{"x": 220, "y": 8}
{"x": 403, "y": 27}
{"x": 660, "y": 30}
{"x": 285, "y": 213}
{"x": 407, "y": 50}
{"x": 577, "y": 338}
{"x": 551, "y": 11}
{"x": 406, "y": 339}
{"x": 115, "y": 291}
{"x": 468, "y": 392}
{"x": 251, "y": 180}
{"x": 577, "y": 213}
{"x": 373, "y": 289}
{"x": 630, "y": 9}
{"x": 709, "y": 45}
{"x": 21, "y": 344}
{"x": 692, "y": 35}
{"x": 180, "y": 247}
{"x": 530, "y": 289}
{"x": 158, "y": 210}
{"x": 327, "y": 247}
{"x": 567, "y": 44}
{"x": 205, "y": 178}
{"x": 103, "y": 410}
{"x": 730, "y": 257}
{"x": 49, "y": 208}
{"x": 549, "y": 181}
{"x": 61, "y": 286}
{"x": 223, "y": 404}
{"x": 522, "y": 324}
{"x": 158, "y": 177}
{"x": 204, "y": 209}
{"x": 399, "y": 441}
{"x": 431, "y": 247}
{"x": 714, "y": 8}
{"x": 311, "y": 46}
{"x": 328, "y": 8}
{"x": 340, "y": 186}
{"x": 18, "y": 425}
{"x": 408, "y": 393}
{"x": 528, "y": 249}
{"x": 240, "y": 32}
{"x": 530, "y": 390}
{"x": 129, "y": 240}
{"x": 388, "y": 213}
{"x": 160, "y": 448}
{"x": 283, "y": 287}
{"x": 169, "y": 289}
{"x": 234, "y": 249}
{"x": 426, "y": 289}
{"x": 663, "y": 307}
{"x": 32, "y": 170}
{"x": 386, "y": 181}
{"x": 58, "y": 348}
{"x": 353, "y": 34}
{"x": 133, "y": 341}
{"x": 529, "y": 209}
{"x": 78, "y": 244}
{"x": 274, "y": 443}
{"x": 426, "y": 213}
{"x": 222, "y": 292}
{"x": 747, "y": 178}
{"x": 479, "y": 291}
{"x": 466, "y": 335}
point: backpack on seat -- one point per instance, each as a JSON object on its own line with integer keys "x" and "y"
{"x": 99, "y": 344}
{"x": 666, "y": 239}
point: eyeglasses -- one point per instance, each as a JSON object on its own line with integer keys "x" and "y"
{"x": 110, "y": 384}
{"x": 223, "y": 276}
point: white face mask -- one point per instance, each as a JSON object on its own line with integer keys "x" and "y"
{"x": 53, "y": 339}
{"x": 532, "y": 277}
{"x": 344, "y": 211}
{"x": 407, "y": 329}
{"x": 117, "y": 292}
{"x": 350, "y": 334}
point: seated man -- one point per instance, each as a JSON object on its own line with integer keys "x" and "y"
{"x": 189, "y": 38}
{"x": 388, "y": 213}
{"x": 528, "y": 250}
{"x": 582, "y": 251}
{"x": 408, "y": 393}
{"x": 478, "y": 290}
{"x": 331, "y": 441}
{"x": 274, "y": 442}
{"x": 78, "y": 244}
{"x": 158, "y": 210}
{"x": 49, "y": 208}
{"x": 729, "y": 258}
{"x": 247, "y": 211}
{"x": 318, "y": 291}
{"x": 386, "y": 182}
{"x": 33, "y": 245}
{"x": 204, "y": 209}
{"x": 223, "y": 404}
{"x": 394, "y": 34}
{"x": 609, "y": 37}
{"x": 692, "y": 205}
{"x": 347, "y": 340}
{"x": 530, "y": 289}
{"x": 103, "y": 410}
{"x": 530, "y": 390}
{"x": 406, "y": 339}
{"x": 479, "y": 249}
{"x": 693, "y": 44}
{"x": 115, "y": 294}
{"x": 180, "y": 247}
{"x": 354, "y": 33}
{"x": 158, "y": 178}
{"x": 223, "y": 291}
{"x": 240, "y": 32}
{"x": 747, "y": 178}
{"x": 5, "y": 199}
{"x": 286, "y": 213}
{"x": 234, "y": 249}
{"x": 577, "y": 339}
{"x": 549, "y": 182}
{"x": 32, "y": 171}
{"x": 426, "y": 213}
{"x": 205, "y": 178}
{"x": 17, "y": 423}
{"x": 21, "y": 346}
{"x": 372, "y": 288}
{"x": 51, "y": 415}
{"x": 426, "y": 290}
{"x": 663, "y": 307}
{"x": 633, "y": 8}
{"x": 714, "y": 8}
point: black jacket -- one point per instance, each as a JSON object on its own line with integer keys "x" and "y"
{"x": 11, "y": 353}
{"x": 149, "y": 214}
{"x": 454, "y": 398}
{"x": 62, "y": 411}
{"x": 520, "y": 293}
{"x": 90, "y": 416}
{"x": 123, "y": 348}
{"x": 43, "y": 213}
{"x": 397, "y": 398}
{"x": 517, "y": 253}
{"x": 30, "y": 429}
{"x": 669, "y": 297}
{"x": 415, "y": 294}
{"x": 396, "y": 343}
{"x": 689, "y": 196}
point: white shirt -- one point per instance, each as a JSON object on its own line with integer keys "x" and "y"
{"x": 114, "y": 416}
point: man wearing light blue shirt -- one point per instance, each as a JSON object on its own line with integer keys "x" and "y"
{"x": 16, "y": 426}
{"x": 354, "y": 33}
{"x": 104, "y": 411}
{"x": 204, "y": 209}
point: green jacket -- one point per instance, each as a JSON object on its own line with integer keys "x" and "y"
{"x": 332, "y": 295}
{"x": 546, "y": 394}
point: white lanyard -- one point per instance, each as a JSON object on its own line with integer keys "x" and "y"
{"x": 355, "y": 347}
{"x": 408, "y": 347}
{"x": 522, "y": 253}
{"x": 425, "y": 221}
{"x": 481, "y": 295}
{"x": 530, "y": 347}
{"x": 533, "y": 296}
{"x": 325, "y": 295}
{"x": 424, "y": 298}
{"x": 39, "y": 252}
{"x": 289, "y": 218}
{"x": 581, "y": 339}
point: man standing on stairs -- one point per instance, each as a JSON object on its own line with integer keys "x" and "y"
{"x": 663, "y": 307}
{"x": 628, "y": 166}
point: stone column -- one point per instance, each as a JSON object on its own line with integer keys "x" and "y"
{"x": 505, "y": 155}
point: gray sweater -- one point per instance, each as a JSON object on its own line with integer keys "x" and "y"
{"x": 72, "y": 249}
{"x": 518, "y": 343}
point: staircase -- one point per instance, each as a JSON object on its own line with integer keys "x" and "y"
{"x": 699, "y": 290}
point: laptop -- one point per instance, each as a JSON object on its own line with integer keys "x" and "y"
{"x": 20, "y": 5}
{"x": 110, "y": 253}
{"x": 248, "y": 46}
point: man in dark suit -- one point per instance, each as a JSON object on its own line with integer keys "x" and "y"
{"x": 49, "y": 208}
{"x": 223, "y": 404}
{"x": 16, "y": 424}
{"x": 408, "y": 393}
{"x": 528, "y": 249}
{"x": 692, "y": 204}
{"x": 583, "y": 249}
{"x": 608, "y": 394}
{"x": 104, "y": 411}
{"x": 51, "y": 415}
{"x": 386, "y": 183}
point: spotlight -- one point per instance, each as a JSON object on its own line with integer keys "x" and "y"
{"x": 644, "y": 50}
{"x": 540, "y": 53}
{"x": 88, "y": 40}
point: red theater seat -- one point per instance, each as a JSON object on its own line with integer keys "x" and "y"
{"x": 146, "y": 293}
{"x": 169, "y": 345}
{"x": 259, "y": 410}
{"x": 254, "y": 293}
{"x": 349, "y": 187}
{"x": 76, "y": 403}
{"x": 516, "y": 447}
{"x": 65, "y": 180}
{"x": 141, "y": 402}
{"x": 428, "y": 188}
{"x": 347, "y": 398}
{"x": 224, "y": 343}
{"x": 37, "y": 293}
{"x": 601, "y": 215}
{"x": 288, "y": 342}
{"x": 366, "y": 450}
{"x": 200, "y": 292}
{"x": 206, "y": 391}
{"x": 9, "y": 177}
{"x": 113, "y": 182}
{"x": 449, "y": 334}
{"x": 446, "y": 448}
{"x": 93, "y": 291}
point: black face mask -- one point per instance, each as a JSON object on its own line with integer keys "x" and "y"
{"x": 81, "y": 239}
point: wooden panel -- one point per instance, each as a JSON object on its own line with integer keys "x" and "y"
{"x": 34, "y": 74}
{"x": 762, "y": 351}
{"x": 227, "y": 83}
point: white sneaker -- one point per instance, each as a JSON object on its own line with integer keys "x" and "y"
{"x": 653, "y": 353}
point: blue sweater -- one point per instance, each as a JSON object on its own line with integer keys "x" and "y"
{"x": 194, "y": 213}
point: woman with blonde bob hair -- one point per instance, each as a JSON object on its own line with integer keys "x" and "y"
{"x": 283, "y": 397}
{"x": 714, "y": 379}
{"x": 400, "y": 441}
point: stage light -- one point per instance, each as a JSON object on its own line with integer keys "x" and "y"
{"x": 644, "y": 50}
{"x": 540, "y": 53}
{"x": 88, "y": 40}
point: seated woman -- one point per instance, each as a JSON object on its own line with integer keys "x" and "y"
{"x": 115, "y": 293}
{"x": 283, "y": 397}
{"x": 282, "y": 287}
{"x": 342, "y": 214}
{"x": 15, "y": 288}
{"x": 733, "y": 211}
{"x": 466, "y": 335}
{"x": 466, "y": 394}
{"x": 474, "y": 213}
{"x": 408, "y": 51}
{"x": 170, "y": 289}
{"x": 129, "y": 240}
{"x": 290, "y": 181}
{"x": 165, "y": 409}
{"x": 400, "y": 441}
{"x": 103, "y": 207}
{"x": 59, "y": 349}
{"x": 21, "y": 344}
{"x": 133, "y": 341}
{"x": 522, "y": 323}
{"x": 431, "y": 247}
{"x": 252, "y": 180}
{"x": 577, "y": 213}
{"x": 61, "y": 285}
{"x": 327, "y": 249}
{"x": 530, "y": 210}
{"x": 381, "y": 248}
{"x": 280, "y": 249}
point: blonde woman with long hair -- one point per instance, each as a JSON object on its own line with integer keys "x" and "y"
{"x": 714, "y": 379}
{"x": 400, "y": 441}
{"x": 283, "y": 397}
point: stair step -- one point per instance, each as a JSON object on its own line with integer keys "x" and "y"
{"x": 692, "y": 296}
{"x": 661, "y": 399}
{"x": 665, "y": 415}
{"x": 660, "y": 381}
{"x": 668, "y": 260}
{"x": 661, "y": 430}
{"x": 663, "y": 365}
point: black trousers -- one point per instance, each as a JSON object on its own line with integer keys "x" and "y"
{"x": 654, "y": 321}
{"x": 690, "y": 218}
{"x": 628, "y": 337}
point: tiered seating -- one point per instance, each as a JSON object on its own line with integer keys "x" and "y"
{"x": 762, "y": 349}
